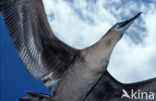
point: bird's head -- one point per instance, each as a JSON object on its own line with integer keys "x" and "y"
{"x": 121, "y": 27}
{"x": 117, "y": 31}
{"x": 99, "y": 54}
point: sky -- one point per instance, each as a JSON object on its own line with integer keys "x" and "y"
{"x": 81, "y": 23}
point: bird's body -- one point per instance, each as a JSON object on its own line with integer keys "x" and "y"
{"x": 86, "y": 71}
{"x": 71, "y": 74}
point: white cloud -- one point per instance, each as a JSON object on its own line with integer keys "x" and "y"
{"x": 81, "y": 23}
{"x": 67, "y": 22}
{"x": 138, "y": 60}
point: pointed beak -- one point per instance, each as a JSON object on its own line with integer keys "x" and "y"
{"x": 123, "y": 26}
{"x": 130, "y": 21}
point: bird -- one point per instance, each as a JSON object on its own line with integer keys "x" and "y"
{"x": 70, "y": 74}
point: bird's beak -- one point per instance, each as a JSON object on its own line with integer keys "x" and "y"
{"x": 123, "y": 26}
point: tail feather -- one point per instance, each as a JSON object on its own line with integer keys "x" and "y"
{"x": 34, "y": 96}
{"x": 29, "y": 99}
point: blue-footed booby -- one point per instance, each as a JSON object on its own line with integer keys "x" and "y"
{"x": 70, "y": 74}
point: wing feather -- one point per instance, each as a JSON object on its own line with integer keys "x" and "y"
{"x": 41, "y": 52}
{"x": 109, "y": 89}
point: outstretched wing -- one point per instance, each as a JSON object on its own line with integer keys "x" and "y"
{"x": 109, "y": 89}
{"x": 43, "y": 54}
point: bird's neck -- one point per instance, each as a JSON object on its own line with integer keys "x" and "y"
{"x": 99, "y": 54}
{"x": 83, "y": 75}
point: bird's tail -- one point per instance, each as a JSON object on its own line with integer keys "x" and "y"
{"x": 33, "y": 96}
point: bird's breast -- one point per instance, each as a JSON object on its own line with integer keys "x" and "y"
{"x": 77, "y": 82}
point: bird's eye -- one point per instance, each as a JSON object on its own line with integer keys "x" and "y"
{"x": 117, "y": 27}
{"x": 120, "y": 29}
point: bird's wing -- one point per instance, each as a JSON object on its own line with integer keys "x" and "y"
{"x": 46, "y": 57}
{"x": 109, "y": 89}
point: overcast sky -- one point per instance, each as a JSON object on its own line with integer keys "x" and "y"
{"x": 81, "y": 23}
